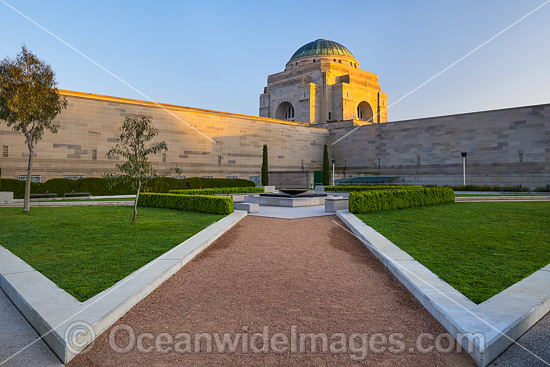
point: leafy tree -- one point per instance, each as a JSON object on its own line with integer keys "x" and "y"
{"x": 265, "y": 170}
{"x": 326, "y": 167}
{"x": 137, "y": 131}
{"x": 29, "y": 102}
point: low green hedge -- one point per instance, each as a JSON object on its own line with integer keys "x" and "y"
{"x": 496, "y": 188}
{"x": 99, "y": 186}
{"x": 410, "y": 197}
{"x": 191, "y": 203}
{"x": 363, "y": 188}
{"x": 221, "y": 190}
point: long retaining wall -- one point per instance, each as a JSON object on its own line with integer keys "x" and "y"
{"x": 505, "y": 147}
{"x": 90, "y": 126}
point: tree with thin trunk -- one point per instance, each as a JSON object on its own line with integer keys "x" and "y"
{"x": 265, "y": 169}
{"x": 326, "y": 167}
{"x": 136, "y": 133}
{"x": 29, "y": 102}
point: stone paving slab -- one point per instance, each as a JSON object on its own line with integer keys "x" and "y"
{"x": 291, "y": 213}
{"x": 16, "y": 334}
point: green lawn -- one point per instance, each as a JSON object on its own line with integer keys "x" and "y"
{"x": 85, "y": 250}
{"x": 478, "y": 248}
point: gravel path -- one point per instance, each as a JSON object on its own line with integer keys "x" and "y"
{"x": 277, "y": 273}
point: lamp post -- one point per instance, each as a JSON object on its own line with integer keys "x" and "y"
{"x": 333, "y": 162}
{"x": 464, "y": 154}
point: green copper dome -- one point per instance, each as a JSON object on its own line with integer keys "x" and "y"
{"x": 322, "y": 47}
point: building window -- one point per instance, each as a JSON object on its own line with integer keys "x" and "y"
{"x": 340, "y": 61}
{"x": 520, "y": 157}
{"x": 34, "y": 179}
{"x": 5, "y": 151}
{"x": 233, "y": 177}
{"x": 94, "y": 154}
{"x": 351, "y": 63}
{"x": 74, "y": 177}
{"x": 330, "y": 116}
{"x": 334, "y": 60}
{"x": 164, "y": 157}
{"x": 354, "y": 64}
{"x": 313, "y": 60}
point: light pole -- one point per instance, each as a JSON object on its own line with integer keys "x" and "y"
{"x": 464, "y": 154}
{"x": 333, "y": 161}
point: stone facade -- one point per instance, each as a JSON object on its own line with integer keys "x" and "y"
{"x": 504, "y": 147}
{"x": 90, "y": 125}
{"x": 508, "y": 146}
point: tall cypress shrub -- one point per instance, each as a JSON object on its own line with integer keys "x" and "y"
{"x": 326, "y": 167}
{"x": 265, "y": 170}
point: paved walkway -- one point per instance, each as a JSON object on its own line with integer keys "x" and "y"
{"x": 536, "y": 340}
{"x": 276, "y": 273}
{"x": 15, "y": 335}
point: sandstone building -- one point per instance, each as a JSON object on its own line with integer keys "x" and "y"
{"x": 330, "y": 100}
{"x": 321, "y": 83}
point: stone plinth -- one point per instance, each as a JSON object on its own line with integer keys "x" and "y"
{"x": 6, "y": 197}
{"x": 334, "y": 204}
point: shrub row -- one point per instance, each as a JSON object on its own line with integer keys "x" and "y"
{"x": 99, "y": 186}
{"x": 496, "y": 188}
{"x": 400, "y": 198}
{"x": 221, "y": 190}
{"x": 191, "y": 203}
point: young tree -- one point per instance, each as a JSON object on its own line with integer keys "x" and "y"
{"x": 29, "y": 101}
{"x": 326, "y": 167}
{"x": 265, "y": 170}
{"x": 137, "y": 131}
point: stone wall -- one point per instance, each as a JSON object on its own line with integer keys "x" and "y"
{"x": 90, "y": 125}
{"x": 508, "y": 146}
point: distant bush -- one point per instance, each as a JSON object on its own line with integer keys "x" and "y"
{"x": 191, "y": 203}
{"x": 399, "y": 198}
{"x": 99, "y": 186}
{"x": 221, "y": 190}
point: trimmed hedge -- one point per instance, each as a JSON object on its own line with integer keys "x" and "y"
{"x": 99, "y": 186}
{"x": 191, "y": 203}
{"x": 409, "y": 197}
{"x": 221, "y": 190}
{"x": 496, "y": 188}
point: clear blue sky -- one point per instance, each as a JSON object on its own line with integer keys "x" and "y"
{"x": 217, "y": 54}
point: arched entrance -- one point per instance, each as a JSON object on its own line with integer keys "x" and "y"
{"x": 285, "y": 111}
{"x": 364, "y": 112}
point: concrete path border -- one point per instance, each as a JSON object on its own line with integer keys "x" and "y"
{"x": 484, "y": 330}
{"x": 68, "y": 325}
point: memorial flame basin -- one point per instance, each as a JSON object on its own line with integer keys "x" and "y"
{"x": 288, "y": 198}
